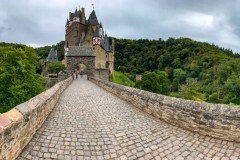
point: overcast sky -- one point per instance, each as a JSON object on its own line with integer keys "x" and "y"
{"x": 42, "y": 22}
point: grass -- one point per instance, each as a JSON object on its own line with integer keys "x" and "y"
{"x": 121, "y": 78}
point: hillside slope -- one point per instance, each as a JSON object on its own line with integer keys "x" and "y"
{"x": 195, "y": 70}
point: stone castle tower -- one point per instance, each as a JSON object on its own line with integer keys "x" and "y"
{"x": 87, "y": 47}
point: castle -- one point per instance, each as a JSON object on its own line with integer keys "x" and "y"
{"x": 87, "y": 47}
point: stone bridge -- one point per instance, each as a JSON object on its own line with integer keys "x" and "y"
{"x": 88, "y": 122}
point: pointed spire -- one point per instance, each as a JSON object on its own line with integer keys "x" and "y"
{"x": 76, "y": 13}
{"x": 67, "y": 23}
{"x": 93, "y": 19}
{"x": 100, "y": 26}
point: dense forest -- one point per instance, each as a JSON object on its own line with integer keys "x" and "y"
{"x": 182, "y": 68}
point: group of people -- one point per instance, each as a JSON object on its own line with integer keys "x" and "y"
{"x": 76, "y": 73}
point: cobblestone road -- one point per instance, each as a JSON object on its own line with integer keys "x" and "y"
{"x": 90, "y": 123}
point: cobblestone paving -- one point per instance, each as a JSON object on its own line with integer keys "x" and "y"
{"x": 90, "y": 123}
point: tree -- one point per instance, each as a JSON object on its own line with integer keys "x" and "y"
{"x": 156, "y": 82}
{"x": 190, "y": 90}
{"x": 179, "y": 76}
{"x": 55, "y": 67}
{"x": 19, "y": 81}
{"x": 60, "y": 49}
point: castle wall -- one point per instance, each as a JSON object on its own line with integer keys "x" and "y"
{"x": 102, "y": 73}
{"x": 215, "y": 120}
{"x": 111, "y": 62}
{"x": 88, "y": 38}
{"x": 44, "y": 69}
{"x": 74, "y": 32}
{"x": 100, "y": 60}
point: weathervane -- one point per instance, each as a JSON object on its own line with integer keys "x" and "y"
{"x": 93, "y": 5}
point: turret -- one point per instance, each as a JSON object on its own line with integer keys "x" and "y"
{"x": 71, "y": 16}
{"x": 76, "y": 13}
{"x": 83, "y": 18}
{"x": 76, "y": 18}
{"x": 101, "y": 33}
{"x": 96, "y": 37}
{"x": 113, "y": 46}
{"x": 79, "y": 13}
{"x": 93, "y": 19}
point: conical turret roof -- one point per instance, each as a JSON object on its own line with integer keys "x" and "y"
{"x": 76, "y": 13}
{"x": 93, "y": 19}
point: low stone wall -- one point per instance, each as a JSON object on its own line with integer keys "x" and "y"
{"x": 215, "y": 120}
{"x": 18, "y": 125}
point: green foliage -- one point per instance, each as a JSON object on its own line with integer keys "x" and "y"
{"x": 196, "y": 70}
{"x": 123, "y": 79}
{"x": 19, "y": 81}
{"x": 42, "y": 52}
{"x": 55, "y": 67}
{"x": 156, "y": 82}
{"x": 190, "y": 90}
{"x": 60, "y": 49}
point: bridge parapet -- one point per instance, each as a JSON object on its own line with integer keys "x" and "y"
{"x": 215, "y": 120}
{"x": 18, "y": 125}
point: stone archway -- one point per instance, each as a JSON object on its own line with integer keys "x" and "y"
{"x": 82, "y": 68}
{"x": 86, "y": 64}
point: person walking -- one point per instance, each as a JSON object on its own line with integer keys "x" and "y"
{"x": 81, "y": 74}
{"x": 76, "y": 74}
{"x": 73, "y": 75}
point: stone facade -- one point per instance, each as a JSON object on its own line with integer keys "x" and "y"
{"x": 18, "y": 125}
{"x": 215, "y": 120}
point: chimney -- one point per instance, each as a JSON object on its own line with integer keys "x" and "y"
{"x": 83, "y": 19}
{"x": 113, "y": 46}
{"x": 69, "y": 16}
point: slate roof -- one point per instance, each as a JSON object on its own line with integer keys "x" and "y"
{"x": 105, "y": 44}
{"x": 93, "y": 19}
{"x": 100, "y": 26}
{"x": 52, "y": 56}
{"x": 80, "y": 51}
{"x": 96, "y": 33}
{"x": 67, "y": 23}
{"x": 76, "y": 13}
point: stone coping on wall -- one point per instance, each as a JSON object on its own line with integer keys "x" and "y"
{"x": 215, "y": 120}
{"x": 18, "y": 125}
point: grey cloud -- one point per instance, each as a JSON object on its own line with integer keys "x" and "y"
{"x": 2, "y": 29}
{"x": 42, "y": 22}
